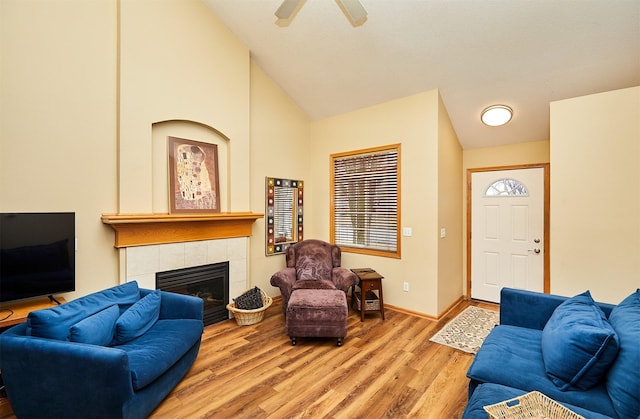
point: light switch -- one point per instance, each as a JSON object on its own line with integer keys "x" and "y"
{"x": 406, "y": 231}
{"x": 443, "y": 233}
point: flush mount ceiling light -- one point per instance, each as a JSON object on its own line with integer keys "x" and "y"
{"x": 496, "y": 115}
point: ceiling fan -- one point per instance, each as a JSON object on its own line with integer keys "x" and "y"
{"x": 352, "y": 9}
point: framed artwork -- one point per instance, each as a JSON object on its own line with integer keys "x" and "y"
{"x": 193, "y": 176}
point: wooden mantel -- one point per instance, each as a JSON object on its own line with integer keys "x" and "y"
{"x": 146, "y": 229}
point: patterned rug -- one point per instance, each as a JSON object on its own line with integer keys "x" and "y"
{"x": 468, "y": 329}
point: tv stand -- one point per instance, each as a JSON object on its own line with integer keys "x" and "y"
{"x": 53, "y": 300}
{"x": 22, "y": 309}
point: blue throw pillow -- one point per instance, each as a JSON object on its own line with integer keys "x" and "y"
{"x": 55, "y": 322}
{"x": 97, "y": 329}
{"x": 138, "y": 318}
{"x": 623, "y": 379}
{"x": 578, "y": 344}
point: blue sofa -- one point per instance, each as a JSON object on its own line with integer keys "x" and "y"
{"x": 116, "y": 353}
{"x": 583, "y": 354}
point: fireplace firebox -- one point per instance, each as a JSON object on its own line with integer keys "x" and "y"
{"x": 209, "y": 282}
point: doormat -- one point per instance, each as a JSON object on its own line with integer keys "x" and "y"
{"x": 468, "y": 329}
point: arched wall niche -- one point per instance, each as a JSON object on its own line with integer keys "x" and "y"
{"x": 189, "y": 130}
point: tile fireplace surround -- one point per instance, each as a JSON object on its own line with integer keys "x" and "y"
{"x": 150, "y": 243}
{"x": 142, "y": 262}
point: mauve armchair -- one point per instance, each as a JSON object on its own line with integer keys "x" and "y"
{"x": 312, "y": 264}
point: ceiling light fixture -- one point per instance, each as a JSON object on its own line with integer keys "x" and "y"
{"x": 352, "y": 9}
{"x": 496, "y": 115}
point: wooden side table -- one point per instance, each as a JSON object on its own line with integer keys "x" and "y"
{"x": 368, "y": 280}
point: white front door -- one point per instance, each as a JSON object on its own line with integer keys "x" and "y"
{"x": 507, "y": 231}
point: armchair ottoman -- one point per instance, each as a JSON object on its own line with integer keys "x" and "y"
{"x": 317, "y": 313}
{"x": 312, "y": 264}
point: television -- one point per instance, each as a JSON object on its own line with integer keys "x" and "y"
{"x": 37, "y": 254}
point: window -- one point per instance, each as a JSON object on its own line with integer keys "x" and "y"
{"x": 365, "y": 198}
{"x": 506, "y": 187}
{"x": 283, "y": 209}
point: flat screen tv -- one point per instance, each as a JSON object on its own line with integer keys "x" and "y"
{"x": 37, "y": 254}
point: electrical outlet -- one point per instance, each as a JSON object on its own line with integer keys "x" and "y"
{"x": 405, "y": 286}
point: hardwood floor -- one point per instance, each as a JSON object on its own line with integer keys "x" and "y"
{"x": 384, "y": 369}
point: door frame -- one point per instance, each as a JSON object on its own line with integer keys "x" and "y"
{"x": 547, "y": 194}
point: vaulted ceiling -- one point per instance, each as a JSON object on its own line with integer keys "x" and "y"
{"x": 522, "y": 53}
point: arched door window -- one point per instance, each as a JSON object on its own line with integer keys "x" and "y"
{"x": 506, "y": 187}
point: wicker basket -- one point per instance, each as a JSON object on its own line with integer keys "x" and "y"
{"x": 533, "y": 405}
{"x": 372, "y": 302}
{"x": 247, "y": 317}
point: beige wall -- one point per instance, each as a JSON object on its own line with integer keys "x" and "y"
{"x": 595, "y": 197}
{"x": 80, "y": 98}
{"x": 58, "y": 121}
{"x": 279, "y": 148}
{"x": 282, "y": 145}
{"x": 414, "y": 123}
{"x": 179, "y": 62}
{"x": 84, "y": 82}
{"x": 506, "y": 155}
{"x": 449, "y": 212}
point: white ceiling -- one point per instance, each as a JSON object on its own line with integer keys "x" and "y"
{"x": 522, "y": 53}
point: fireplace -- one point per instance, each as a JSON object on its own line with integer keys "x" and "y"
{"x": 209, "y": 282}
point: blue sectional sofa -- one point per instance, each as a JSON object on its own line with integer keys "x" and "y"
{"x": 583, "y": 354}
{"x": 116, "y": 353}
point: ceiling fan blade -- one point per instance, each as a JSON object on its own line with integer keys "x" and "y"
{"x": 354, "y": 10}
{"x": 286, "y": 9}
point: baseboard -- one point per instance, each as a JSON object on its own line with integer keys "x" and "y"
{"x": 426, "y": 316}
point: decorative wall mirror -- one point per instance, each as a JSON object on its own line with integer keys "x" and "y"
{"x": 284, "y": 210}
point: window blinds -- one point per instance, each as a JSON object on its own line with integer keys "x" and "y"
{"x": 365, "y": 200}
{"x": 283, "y": 209}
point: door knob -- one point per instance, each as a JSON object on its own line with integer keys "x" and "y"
{"x": 534, "y": 250}
{"x": 536, "y": 240}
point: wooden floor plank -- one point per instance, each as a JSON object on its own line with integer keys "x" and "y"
{"x": 384, "y": 369}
